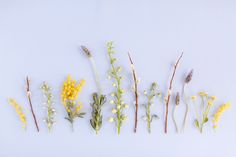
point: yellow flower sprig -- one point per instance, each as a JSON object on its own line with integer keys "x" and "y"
{"x": 69, "y": 95}
{"x": 218, "y": 113}
{"x": 19, "y": 111}
{"x": 206, "y": 104}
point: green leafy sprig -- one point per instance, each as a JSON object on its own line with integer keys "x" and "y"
{"x": 96, "y": 120}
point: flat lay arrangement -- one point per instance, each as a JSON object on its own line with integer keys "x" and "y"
{"x": 205, "y": 107}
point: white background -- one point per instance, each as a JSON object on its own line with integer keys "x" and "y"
{"x": 42, "y": 38}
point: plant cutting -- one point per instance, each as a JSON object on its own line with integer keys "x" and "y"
{"x": 50, "y": 111}
{"x": 150, "y": 95}
{"x": 69, "y": 96}
{"x": 114, "y": 74}
{"x": 135, "y": 80}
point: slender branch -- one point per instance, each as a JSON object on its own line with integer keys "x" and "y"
{"x": 30, "y": 102}
{"x": 135, "y": 93}
{"x": 169, "y": 92}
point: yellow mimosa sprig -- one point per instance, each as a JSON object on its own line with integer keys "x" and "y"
{"x": 69, "y": 96}
{"x": 19, "y": 111}
{"x": 218, "y": 114}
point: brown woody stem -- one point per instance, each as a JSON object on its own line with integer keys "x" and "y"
{"x": 135, "y": 93}
{"x": 30, "y": 103}
{"x": 169, "y": 92}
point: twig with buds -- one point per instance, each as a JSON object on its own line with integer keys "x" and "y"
{"x": 30, "y": 103}
{"x": 169, "y": 92}
{"x": 135, "y": 92}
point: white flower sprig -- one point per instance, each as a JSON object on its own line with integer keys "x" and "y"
{"x": 150, "y": 95}
{"x": 114, "y": 74}
{"x": 50, "y": 117}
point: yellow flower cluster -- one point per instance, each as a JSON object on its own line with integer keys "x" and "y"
{"x": 19, "y": 111}
{"x": 219, "y": 112}
{"x": 71, "y": 89}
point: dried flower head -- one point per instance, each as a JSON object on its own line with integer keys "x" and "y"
{"x": 189, "y": 76}
{"x": 86, "y": 51}
{"x": 19, "y": 111}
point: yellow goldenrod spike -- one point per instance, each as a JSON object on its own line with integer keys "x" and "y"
{"x": 19, "y": 111}
{"x": 219, "y": 112}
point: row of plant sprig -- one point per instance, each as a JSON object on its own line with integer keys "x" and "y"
{"x": 202, "y": 102}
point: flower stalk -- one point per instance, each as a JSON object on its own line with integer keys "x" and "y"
{"x": 118, "y": 94}
{"x": 206, "y": 104}
{"x": 185, "y": 97}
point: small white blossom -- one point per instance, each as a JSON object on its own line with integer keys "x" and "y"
{"x": 111, "y": 120}
{"x": 114, "y": 110}
{"x": 112, "y": 102}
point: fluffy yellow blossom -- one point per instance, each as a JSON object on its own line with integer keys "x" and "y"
{"x": 203, "y": 94}
{"x": 71, "y": 89}
{"x": 219, "y": 112}
{"x": 69, "y": 95}
{"x": 19, "y": 111}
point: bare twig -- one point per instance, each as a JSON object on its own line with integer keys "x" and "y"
{"x": 135, "y": 93}
{"x": 30, "y": 103}
{"x": 169, "y": 92}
